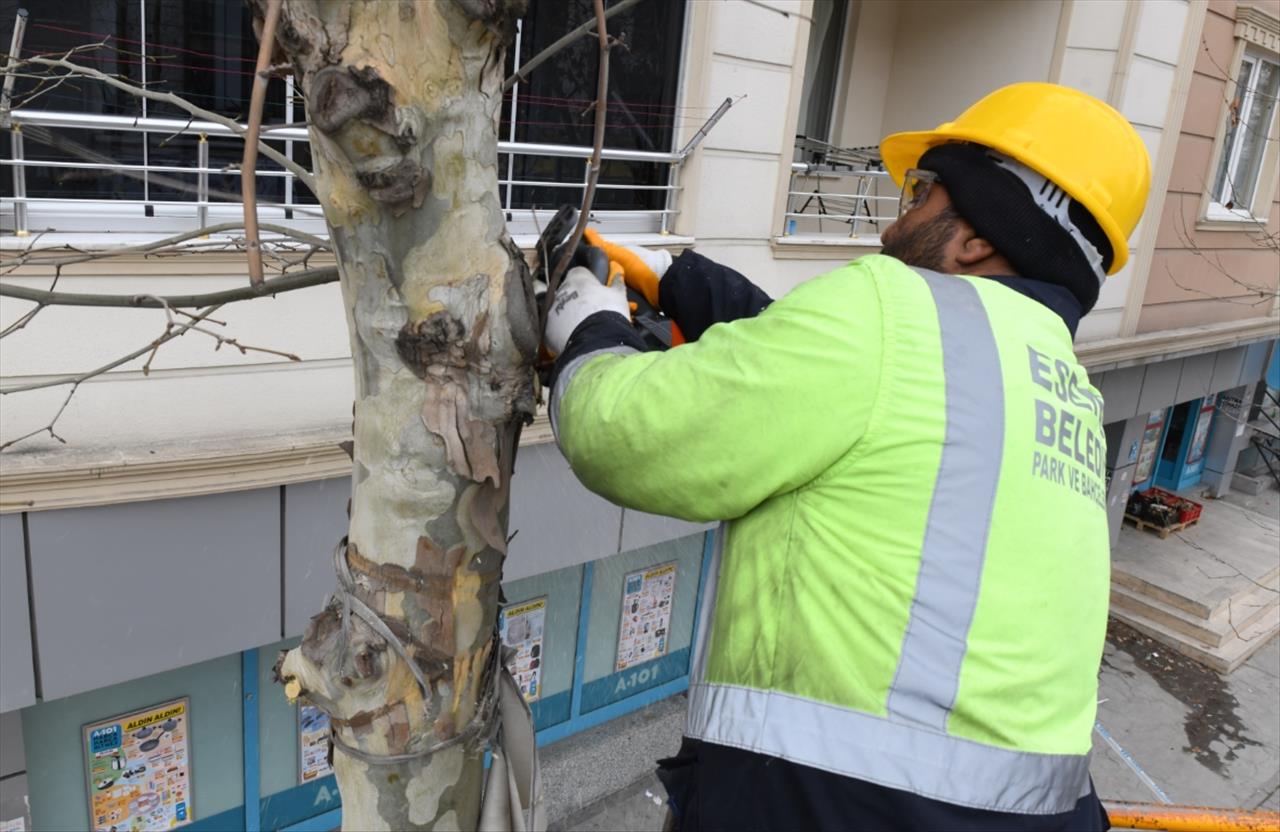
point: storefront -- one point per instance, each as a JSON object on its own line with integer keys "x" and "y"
{"x": 1173, "y": 447}
{"x": 216, "y": 746}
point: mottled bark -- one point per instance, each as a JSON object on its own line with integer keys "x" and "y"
{"x": 402, "y": 99}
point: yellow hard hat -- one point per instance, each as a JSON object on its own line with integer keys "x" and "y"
{"x": 1080, "y": 143}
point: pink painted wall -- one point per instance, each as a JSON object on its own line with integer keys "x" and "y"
{"x": 1201, "y": 275}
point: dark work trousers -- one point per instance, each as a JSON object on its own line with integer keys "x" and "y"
{"x": 714, "y": 787}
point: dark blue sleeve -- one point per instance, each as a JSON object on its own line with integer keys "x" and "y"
{"x": 696, "y": 292}
{"x": 601, "y": 331}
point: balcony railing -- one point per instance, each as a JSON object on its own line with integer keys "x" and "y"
{"x": 22, "y": 213}
{"x": 831, "y": 203}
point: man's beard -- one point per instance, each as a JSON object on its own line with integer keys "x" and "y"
{"x": 925, "y": 245}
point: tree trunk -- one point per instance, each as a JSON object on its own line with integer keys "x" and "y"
{"x": 402, "y": 100}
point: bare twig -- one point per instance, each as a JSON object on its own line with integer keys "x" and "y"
{"x": 593, "y": 166}
{"x": 546, "y": 54}
{"x": 300, "y": 172}
{"x": 220, "y": 340}
{"x": 76, "y": 380}
{"x": 26, "y": 319}
{"x": 274, "y": 286}
{"x": 173, "y": 329}
{"x": 1184, "y": 236}
{"x": 155, "y": 246}
{"x": 248, "y": 188}
{"x": 50, "y": 425}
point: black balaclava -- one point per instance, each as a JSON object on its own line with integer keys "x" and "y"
{"x": 1000, "y": 208}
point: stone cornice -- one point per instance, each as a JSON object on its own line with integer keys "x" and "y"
{"x": 1258, "y": 26}
{"x": 75, "y": 478}
{"x": 78, "y": 478}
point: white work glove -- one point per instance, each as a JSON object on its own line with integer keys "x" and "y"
{"x": 581, "y": 295}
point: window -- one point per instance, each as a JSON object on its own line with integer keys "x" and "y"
{"x": 1249, "y": 126}
{"x": 555, "y": 106}
{"x": 821, "y": 69}
{"x": 206, "y": 52}
{"x": 203, "y": 51}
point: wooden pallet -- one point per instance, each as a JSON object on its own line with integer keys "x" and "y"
{"x": 1163, "y": 531}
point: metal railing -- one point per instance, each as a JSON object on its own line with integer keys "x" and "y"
{"x": 838, "y": 203}
{"x": 198, "y": 209}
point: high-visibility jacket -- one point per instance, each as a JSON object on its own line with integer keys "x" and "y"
{"x": 912, "y": 585}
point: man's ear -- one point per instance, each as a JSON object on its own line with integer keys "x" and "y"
{"x": 970, "y": 248}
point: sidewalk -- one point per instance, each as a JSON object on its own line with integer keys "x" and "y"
{"x": 1177, "y": 729}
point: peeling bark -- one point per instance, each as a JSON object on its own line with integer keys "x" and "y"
{"x": 403, "y": 102}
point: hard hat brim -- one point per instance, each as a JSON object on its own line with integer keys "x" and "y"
{"x": 901, "y": 152}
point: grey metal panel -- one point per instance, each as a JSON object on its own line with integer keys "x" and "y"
{"x": 640, "y": 529}
{"x": 129, "y": 590}
{"x": 1196, "y": 380}
{"x": 1120, "y": 391}
{"x": 17, "y": 674}
{"x": 13, "y": 757}
{"x": 1160, "y": 386}
{"x": 1254, "y": 365}
{"x": 315, "y": 519}
{"x": 556, "y": 522}
{"x": 1226, "y": 369}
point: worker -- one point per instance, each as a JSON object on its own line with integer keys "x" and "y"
{"x": 908, "y": 598}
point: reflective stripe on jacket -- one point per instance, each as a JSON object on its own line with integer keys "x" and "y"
{"x": 913, "y": 588}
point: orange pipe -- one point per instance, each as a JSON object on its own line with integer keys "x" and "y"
{"x": 1172, "y": 818}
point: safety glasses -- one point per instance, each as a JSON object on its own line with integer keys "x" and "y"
{"x": 915, "y": 189}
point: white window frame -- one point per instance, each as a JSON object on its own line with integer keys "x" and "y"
{"x": 1258, "y": 39}
{"x": 71, "y": 219}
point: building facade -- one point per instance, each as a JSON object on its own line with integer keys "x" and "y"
{"x": 183, "y": 535}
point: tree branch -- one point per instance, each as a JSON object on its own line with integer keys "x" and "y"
{"x": 48, "y": 427}
{"x": 300, "y": 236}
{"x": 551, "y": 51}
{"x": 274, "y": 286}
{"x": 593, "y": 167}
{"x": 35, "y": 310}
{"x": 219, "y": 340}
{"x": 178, "y": 101}
{"x": 76, "y": 380}
{"x": 249, "y": 188}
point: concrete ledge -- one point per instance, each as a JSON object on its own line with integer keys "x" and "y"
{"x": 61, "y": 478}
{"x": 1114, "y": 353}
{"x": 613, "y": 757}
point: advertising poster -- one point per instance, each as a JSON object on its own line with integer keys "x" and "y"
{"x": 1200, "y": 438}
{"x": 522, "y": 627}
{"x": 646, "y": 614}
{"x": 138, "y": 768}
{"x": 1150, "y": 445}
{"x": 313, "y": 743}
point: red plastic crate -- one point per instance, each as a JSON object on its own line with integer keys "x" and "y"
{"x": 1188, "y": 510}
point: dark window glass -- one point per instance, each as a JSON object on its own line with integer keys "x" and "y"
{"x": 203, "y": 51}
{"x": 554, "y": 105}
{"x": 206, "y": 52}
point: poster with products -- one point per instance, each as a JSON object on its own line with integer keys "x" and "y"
{"x": 1150, "y": 446}
{"x": 138, "y": 769}
{"x": 522, "y": 626}
{"x": 313, "y": 743}
{"x": 1200, "y": 437}
{"x": 646, "y": 614}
